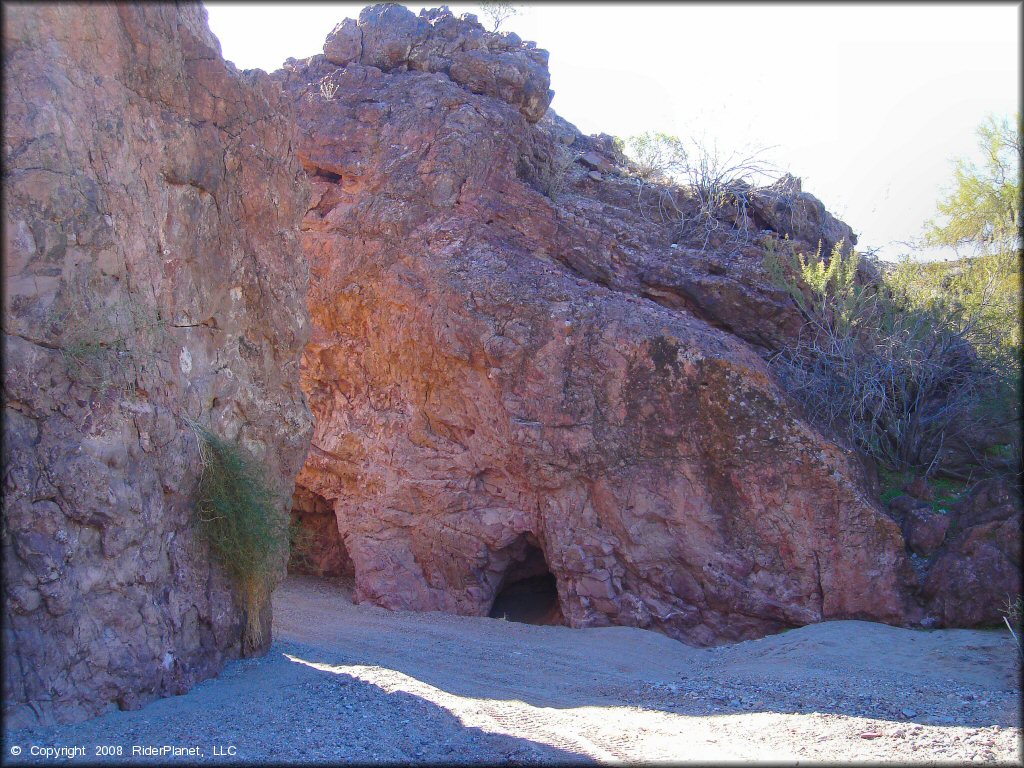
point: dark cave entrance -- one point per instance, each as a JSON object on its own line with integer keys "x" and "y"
{"x": 528, "y": 591}
{"x": 315, "y": 546}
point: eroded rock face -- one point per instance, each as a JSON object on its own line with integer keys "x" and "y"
{"x": 152, "y": 272}
{"x": 978, "y": 570}
{"x": 490, "y": 367}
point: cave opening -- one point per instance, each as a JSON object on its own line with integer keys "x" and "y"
{"x": 316, "y": 547}
{"x": 325, "y": 175}
{"x": 528, "y": 591}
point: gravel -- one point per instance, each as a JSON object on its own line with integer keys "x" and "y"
{"x": 358, "y": 684}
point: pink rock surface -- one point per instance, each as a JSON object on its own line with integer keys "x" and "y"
{"x": 152, "y": 272}
{"x": 489, "y": 367}
{"x": 978, "y": 571}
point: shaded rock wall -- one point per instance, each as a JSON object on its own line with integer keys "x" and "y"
{"x": 316, "y": 545}
{"x": 152, "y": 272}
{"x": 977, "y": 572}
{"x": 492, "y": 362}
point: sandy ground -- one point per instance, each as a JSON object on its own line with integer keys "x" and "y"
{"x": 346, "y": 683}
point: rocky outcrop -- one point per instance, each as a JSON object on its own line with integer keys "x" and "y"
{"x": 978, "y": 571}
{"x": 390, "y": 38}
{"x": 508, "y": 354}
{"x": 785, "y": 208}
{"x": 152, "y": 273}
{"x": 726, "y": 280}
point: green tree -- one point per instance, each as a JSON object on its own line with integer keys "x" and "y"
{"x": 983, "y": 209}
{"x": 983, "y": 213}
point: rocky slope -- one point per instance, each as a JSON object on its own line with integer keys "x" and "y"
{"x": 512, "y": 362}
{"x": 152, "y": 273}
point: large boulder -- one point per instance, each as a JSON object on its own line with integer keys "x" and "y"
{"x": 152, "y": 274}
{"x": 494, "y": 373}
{"x": 924, "y": 530}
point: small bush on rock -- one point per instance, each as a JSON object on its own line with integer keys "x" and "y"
{"x": 654, "y": 155}
{"x": 240, "y": 516}
{"x": 497, "y": 13}
{"x": 697, "y": 189}
{"x": 560, "y": 180}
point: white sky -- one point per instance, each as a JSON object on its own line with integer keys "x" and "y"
{"x": 867, "y": 103}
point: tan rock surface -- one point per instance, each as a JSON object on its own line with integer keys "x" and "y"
{"x": 152, "y": 272}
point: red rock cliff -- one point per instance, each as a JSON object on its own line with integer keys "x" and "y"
{"x": 152, "y": 272}
{"x": 507, "y": 356}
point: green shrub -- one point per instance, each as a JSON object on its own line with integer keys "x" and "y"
{"x": 241, "y": 517}
{"x": 981, "y": 293}
{"x": 895, "y": 375}
{"x": 947, "y": 491}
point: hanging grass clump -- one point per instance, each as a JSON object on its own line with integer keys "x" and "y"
{"x": 240, "y": 516}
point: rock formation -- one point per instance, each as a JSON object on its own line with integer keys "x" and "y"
{"x": 152, "y": 273}
{"x": 390, "y": 38}
{"x": 978, "y": 570}
{"x": 511, "y": 360}
{"x": 536, "y": 393}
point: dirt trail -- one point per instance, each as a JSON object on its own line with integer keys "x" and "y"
{"x": 358, "y": 683}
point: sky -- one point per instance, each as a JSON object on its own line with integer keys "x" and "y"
{"x": 867, "y": 103}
